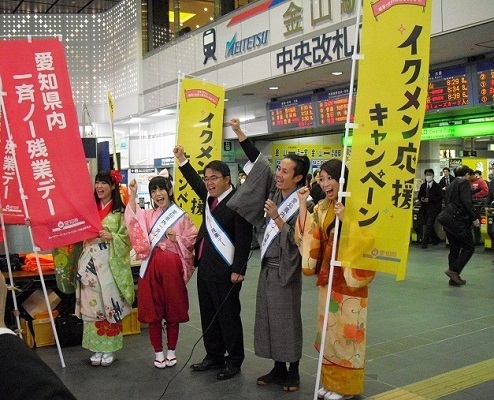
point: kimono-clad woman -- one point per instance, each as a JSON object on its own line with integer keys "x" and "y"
{"x": 163, "y": 238}
{"x": 342, "y": 372}
{"x": 105, "y": 287}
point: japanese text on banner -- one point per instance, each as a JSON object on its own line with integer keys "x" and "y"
{"x": 200, "y": 131}
{"x": 390, "y": 108}
{"x": 42, "y": 121}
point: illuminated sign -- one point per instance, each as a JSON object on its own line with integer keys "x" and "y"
{"x": 447, "y": 88}
{"x": 290, "y": 114}
{"x": 458, "y": 131}
{"x": 332, "y": 107}
{"x": 484, "y": 79}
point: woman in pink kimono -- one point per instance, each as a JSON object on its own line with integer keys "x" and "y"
{"x": 342, "y": 372}
{"x": 163, "y": 238}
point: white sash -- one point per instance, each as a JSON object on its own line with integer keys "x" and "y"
{"x": 219, "y": 237}
{"x": 164, "y": 222}
{"x": 286, "y": 210}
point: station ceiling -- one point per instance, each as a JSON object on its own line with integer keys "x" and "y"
{"x": 55, "y": 6}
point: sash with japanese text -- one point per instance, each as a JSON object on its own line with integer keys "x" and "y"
{"x": 200, "y": 132}
{"x": 40, "y": 126}
{"x": 390, "y": 109}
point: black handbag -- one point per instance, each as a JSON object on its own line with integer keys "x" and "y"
{"x": 69, "y": 329}
{"x": 15, "y": 262}
{"x": 452, "y": 218}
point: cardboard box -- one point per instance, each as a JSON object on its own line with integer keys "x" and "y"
{"x": 36, "y": 304}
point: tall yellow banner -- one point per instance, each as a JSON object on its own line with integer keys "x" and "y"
{"x": 390, "y": 109}
{"x": 200, "y": 132}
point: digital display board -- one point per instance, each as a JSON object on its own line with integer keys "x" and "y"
{"x": 484, "y": 82}
{"x": 290, "y": 114}
{"x": 447, "y": 88}
{"x": 332, "y": 107}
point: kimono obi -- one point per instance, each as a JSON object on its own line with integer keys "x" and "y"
{"x": 96, "y": 242}
{"x": 273, "y": 262}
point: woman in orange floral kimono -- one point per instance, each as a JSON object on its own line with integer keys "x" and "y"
{"x": 342, "y": 372}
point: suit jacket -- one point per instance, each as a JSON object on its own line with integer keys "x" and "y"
{"x": 435, "y": 196}
{"x": 442, "y": 181}
{"x": 212, "y": 266}
{"x": 459, "y": 193}
{"x": 24, "y": 375}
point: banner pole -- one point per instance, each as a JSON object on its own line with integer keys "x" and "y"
{"x": 341, "y": 194}
{"x": 111, "y": 107}
{"x": 26, "y": 213}
{"x": 10, "y": 287}
{"x": 180, "y": 76}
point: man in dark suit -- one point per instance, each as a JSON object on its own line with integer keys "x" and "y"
{"x": 222, "y": 250}
{"x": 23, "y": 374}
{"x": 446, "y": 180}
{"x": 431, "y": 197}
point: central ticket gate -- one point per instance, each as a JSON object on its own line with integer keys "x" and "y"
{"x": 488, "y": 228}
{"x": 418, "y": 225}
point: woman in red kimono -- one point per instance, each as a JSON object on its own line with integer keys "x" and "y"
{"x": 163, "y": 238}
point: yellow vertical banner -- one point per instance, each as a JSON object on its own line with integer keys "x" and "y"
{"x": 200, "y": 132}
{"x": 111, "y": 109}
{"x": 390, "y": 109}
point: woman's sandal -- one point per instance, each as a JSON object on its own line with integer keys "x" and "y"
{"x": 171, "y": 362}
{"x": 160, "y": 363}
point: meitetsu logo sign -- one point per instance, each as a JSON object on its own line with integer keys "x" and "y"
{"x": 236, "y": 47}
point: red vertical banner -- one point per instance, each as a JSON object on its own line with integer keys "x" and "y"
{"x": 12, "y": 208}
{"x": 40, "y": 115}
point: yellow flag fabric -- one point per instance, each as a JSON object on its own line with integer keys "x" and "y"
{"x": 111, "y": 106}
{"x": 390, "y": 109}
{"x": 200, "y": 132}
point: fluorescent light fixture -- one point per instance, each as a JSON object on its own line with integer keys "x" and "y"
{"x": 163, "y": 112}
{"x": 273, "y": 88}
{"x": 336, "y": 73}
{"x": 247, "y": 118}
{"x": 183, "y": 16}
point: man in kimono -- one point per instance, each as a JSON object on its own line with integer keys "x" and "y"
{"x": 221, "y": 252}
{"x": 267, "y": 198}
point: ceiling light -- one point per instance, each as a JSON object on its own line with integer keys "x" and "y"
{"x": 336, "y": 73}
{"x": 273, "y": 88}
{"x": 205, "y": 8}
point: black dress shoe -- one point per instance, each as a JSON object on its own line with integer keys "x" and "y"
{"x": 207, "y": 364}
{"x": 228, "y": 372}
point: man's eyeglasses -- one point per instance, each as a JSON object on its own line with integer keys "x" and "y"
{"x": 212, "y": 178}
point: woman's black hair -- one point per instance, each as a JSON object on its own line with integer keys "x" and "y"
{"x": 333, "y": 169}
{"x": 162, "y": 183}
{"x": 117, "y": 205}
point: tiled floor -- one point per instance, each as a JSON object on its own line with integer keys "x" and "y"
{"x": 419, "y": 329}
